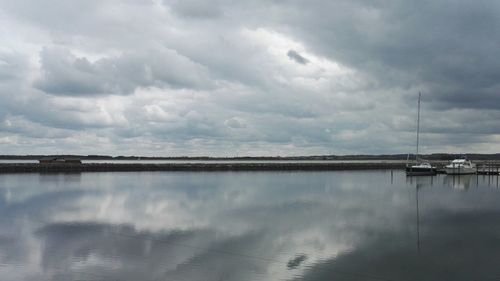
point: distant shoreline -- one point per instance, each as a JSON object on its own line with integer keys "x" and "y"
{"x": 202, "y": 167}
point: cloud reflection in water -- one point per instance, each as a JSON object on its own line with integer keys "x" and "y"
{"x": 245, "y": 226}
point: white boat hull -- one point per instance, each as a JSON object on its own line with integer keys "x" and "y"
{"x": 421, "y": 170}
{"x": 461, "y": 170}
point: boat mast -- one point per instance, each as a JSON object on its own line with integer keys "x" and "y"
{"x": 418, "y": 124}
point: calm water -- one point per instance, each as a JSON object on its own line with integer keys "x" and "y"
{"x": 249, "y": 226}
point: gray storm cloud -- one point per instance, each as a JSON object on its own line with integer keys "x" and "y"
{"x": 65, "y": 74}
{"x": 164, "y": 77}
{"x": 293, "y": 55}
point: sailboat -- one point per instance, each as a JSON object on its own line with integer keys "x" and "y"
{"x": 421, "y": 167}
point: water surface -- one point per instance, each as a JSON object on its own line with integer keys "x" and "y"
{"x": 355, "y": 225}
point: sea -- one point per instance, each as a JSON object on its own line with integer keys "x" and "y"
{"x": 331, "y": 225}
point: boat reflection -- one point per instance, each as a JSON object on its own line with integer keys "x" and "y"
{"x": 460, "y": 182}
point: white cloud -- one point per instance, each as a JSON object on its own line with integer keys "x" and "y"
{"x": 178, "y": 78}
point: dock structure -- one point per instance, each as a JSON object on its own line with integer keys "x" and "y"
{"x": 488, "y": 168}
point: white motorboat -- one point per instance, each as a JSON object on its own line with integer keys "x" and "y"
{"x": 460, "y": 167}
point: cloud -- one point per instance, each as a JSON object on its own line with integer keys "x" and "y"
{"x": 447, "y": 51}
{"x": 308, "y": 80}
{"x": 293, "y": 55}
{"x": 65, "y": 74}
{"x": 196, "y": 9}
{"x": 11, "y": 65}
{"x": 235, "y": 123}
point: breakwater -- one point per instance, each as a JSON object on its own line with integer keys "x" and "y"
{"x": 202, "y": 167}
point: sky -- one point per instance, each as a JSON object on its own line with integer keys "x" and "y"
{"x": 248, "y": 78}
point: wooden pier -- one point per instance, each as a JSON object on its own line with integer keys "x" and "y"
{"x": 488, "y": 168}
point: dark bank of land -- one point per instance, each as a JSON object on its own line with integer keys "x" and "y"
{"x": 132, "y": 167}
{"x": 297, "y": 163}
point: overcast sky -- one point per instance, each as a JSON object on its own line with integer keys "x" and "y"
{"x": 228, "y": 78}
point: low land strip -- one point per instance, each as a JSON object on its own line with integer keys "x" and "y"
{"x": 132, "y": 167}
